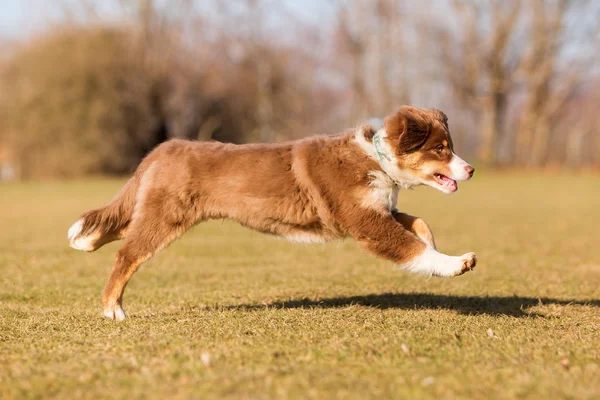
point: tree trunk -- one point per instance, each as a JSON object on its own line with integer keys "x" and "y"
{"x": 494, "y": 115}
{"x": 539, "y": 149}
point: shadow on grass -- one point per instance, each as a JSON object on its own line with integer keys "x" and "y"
{"x": 514, "y": 306}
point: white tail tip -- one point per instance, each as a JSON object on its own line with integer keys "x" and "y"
{"x": 78, "y": 242}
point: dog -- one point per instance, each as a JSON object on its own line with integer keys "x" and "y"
{"x": 311, "y": 190}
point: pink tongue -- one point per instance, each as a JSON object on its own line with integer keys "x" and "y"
{"x": 449, "y": 183}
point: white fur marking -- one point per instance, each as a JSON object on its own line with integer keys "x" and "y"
{"x": 141, "y": 193}
{"x": 457, "y": 168}
{"x": 78, "y": 242}
{"x": 431, "y": 262}
{"x": 383, "y": 193}
{"x": 75, "y": 229}
{"x": 115, "y": 313}
{"x": 364, "y": 144}
{"x": 304, "y": 238}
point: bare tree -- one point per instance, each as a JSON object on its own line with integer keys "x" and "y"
{"x": 479, "y": 61}
{"x": 351, "y": 30}
{"x": 549, "y": 82}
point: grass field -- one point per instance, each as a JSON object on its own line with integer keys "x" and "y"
{"x": 226, "y": 312}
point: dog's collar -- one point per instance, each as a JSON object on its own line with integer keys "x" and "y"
{"x": 377, "y": 143}
{"x": 381, "y": 155}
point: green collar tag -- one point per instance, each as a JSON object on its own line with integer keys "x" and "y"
{"x": 377, "y": 143}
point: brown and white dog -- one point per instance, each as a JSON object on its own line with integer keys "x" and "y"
{"x": 311, "y": 190}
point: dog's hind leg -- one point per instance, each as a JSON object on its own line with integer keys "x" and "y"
{"x": 154, "y": 227}
{"x": 415, "y": 225}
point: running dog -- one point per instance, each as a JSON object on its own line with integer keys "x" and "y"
{"x": 312, "y": 190}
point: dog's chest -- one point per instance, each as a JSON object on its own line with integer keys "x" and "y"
{"x": 382, "y": 193}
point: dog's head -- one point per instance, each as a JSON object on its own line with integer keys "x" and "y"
{"x": 414, "y": 147}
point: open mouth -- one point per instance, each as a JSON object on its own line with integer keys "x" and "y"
{"x": 445, "y": 182}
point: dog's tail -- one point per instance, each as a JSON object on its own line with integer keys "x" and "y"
{"x": 97, "y": 227}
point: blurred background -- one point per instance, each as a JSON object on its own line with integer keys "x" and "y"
{"x": 88, "y": 87}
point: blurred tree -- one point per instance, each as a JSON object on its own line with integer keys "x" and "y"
{"x": 519, "y": 60}
{"x": 78, "y": 102}
{"x": 518, "y": 78}
{"x": 548, "y": 84}
{"x": 353, "y": 38}
{"x": 479, "y": 57}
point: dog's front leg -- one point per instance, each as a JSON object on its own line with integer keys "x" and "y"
{"x": 416, "y": 225}
{"x": 384, "y": 236}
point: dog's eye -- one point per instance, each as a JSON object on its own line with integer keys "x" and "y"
{"x": 439, "y": 149}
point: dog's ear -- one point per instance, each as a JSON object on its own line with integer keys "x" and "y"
{"x": 441, "y": 116}
{"x": 367, "y": 131}
{"x": 409, "y": 127}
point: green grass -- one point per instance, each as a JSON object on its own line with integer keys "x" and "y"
{"x": 226, "y": 312}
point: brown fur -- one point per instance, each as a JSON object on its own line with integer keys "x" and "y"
{"x": 416, "y": 225}
{"x": 311, "y": 188}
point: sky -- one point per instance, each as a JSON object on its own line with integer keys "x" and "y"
{"x": 22, "y": 18}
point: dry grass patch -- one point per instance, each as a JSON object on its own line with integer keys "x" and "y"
{"x": 226, "y": 312}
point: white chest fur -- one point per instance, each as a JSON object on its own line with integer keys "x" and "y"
{"x": 382, "y": 194}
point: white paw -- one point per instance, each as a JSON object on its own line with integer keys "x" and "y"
{"x": 115, "y": 312}
{"x": 455, "y": 266}
{"x": 433, "y": 263}
{"x": 468, "y": 262}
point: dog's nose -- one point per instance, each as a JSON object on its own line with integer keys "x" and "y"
{"x": 470, "y": 170}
